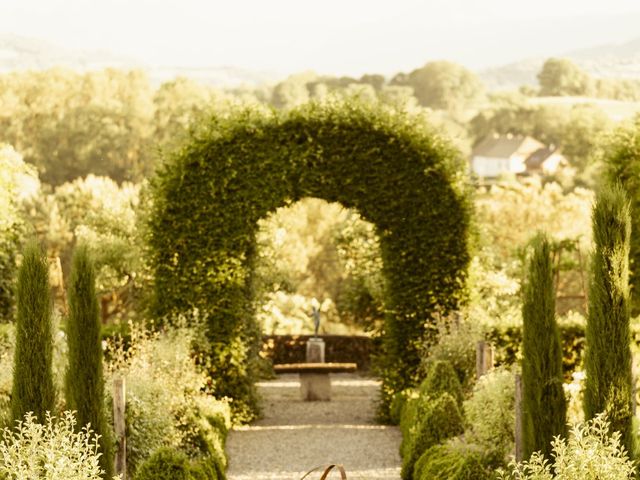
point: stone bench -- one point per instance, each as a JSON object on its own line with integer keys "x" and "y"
{"x": 315, "y": 383}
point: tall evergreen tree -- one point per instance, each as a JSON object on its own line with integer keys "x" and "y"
{"x": 544, "y": 409}
{"x": 84, "y": 380}
{"x": 33, "y": 388}
{"x": 608, "y": 386}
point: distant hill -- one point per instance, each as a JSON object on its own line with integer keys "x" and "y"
{"x": 612, "y": 60}
{"x": 21, "y": 53}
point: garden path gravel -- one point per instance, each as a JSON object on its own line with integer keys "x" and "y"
{"x": 295, "y": 436}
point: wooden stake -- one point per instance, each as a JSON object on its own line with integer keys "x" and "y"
{"x": 119, "y": 402}
{"x": 484, "y": 358}
{"x": 518, "y": 419}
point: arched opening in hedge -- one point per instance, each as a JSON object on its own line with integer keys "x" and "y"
{"x": 393, "y": 169}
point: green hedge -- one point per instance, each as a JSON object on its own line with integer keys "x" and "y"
{"x": 169, "y": 464}
{"x": 394, "y": 169}
{"x": 507, "y": 343}
{"x": 356, "y": 349}
{"x": 453, "y": 461}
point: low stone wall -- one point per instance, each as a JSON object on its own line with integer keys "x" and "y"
{"x": 338, "y": 348}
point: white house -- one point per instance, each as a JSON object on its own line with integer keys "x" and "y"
{"x": 513, "y": 154}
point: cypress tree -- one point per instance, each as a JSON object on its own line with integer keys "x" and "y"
{"x": 84, "y": 382}
{"x": 544, "y": 404}
{"x": 33, "y": 388}
{"x": 608, "y": 386}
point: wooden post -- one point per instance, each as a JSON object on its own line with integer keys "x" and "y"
{"x": 518, "y": 419}
{"x": 119, "y": 402}
{"x": 484, "y": 358}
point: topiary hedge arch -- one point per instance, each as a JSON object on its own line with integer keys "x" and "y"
{"x": 395, "y": 171}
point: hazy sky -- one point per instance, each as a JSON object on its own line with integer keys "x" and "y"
{"x": 329, "y": 36}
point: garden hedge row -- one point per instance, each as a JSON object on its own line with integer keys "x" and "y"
{"x": 396, "y": 171}
{"x": 338, "y": 348}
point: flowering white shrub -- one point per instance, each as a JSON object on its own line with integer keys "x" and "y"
{"x": 49, "y": 451}
{"x": 590, "y": 453}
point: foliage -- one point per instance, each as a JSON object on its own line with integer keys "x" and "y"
{"x": 455, "y": 344}
{"x": 17, "y": 182}
{"x": 490, "y": 412}
{"x": 33, "y": 388}
{"x": 453, "y": 460}
{"x": 507, "y": 342}
{"x": 7, "y": 335}
{"x": 443, "y": 85}
{"x": 590, "y": 453}
{"x": 560, "y": 76}
{"x": 441, "y": 379}
{"x": 236, "y": 170}
{"x": 84, "y": 377}
{"x": 529, "y": 207}
{"x": 103, "y": 215}
{"x": 436, "y": 420}
{"x": 609, "y": 386}
{"x": 169, "y": 464}
{"x": 70, "y": 124}
{"x": 621, "y": 154}
{"x": 544, "y": 405}
{"x": 398, "y": 401}
{"x": 192, "y": 420}
{"x": 314, "y": 249}
{"x": 50, "y": 449}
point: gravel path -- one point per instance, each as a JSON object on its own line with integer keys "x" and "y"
{"x": 295, "y": 436}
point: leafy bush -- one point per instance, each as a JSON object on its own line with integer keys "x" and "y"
{"x": 100, "y": 213}
{"x": 455, "y": 343}
{"x": 590, "y": 453}
{"x": 441, "y": 379}
{"x": 398, "y": 402}
{"x": 453, "y": 460}
{"x": 192, "y": 420}
{"x": 490, "y": 412}
{"x": 434, "y": 422}
{"x": 49, "y": 448}
{"x": 170, "y": 464}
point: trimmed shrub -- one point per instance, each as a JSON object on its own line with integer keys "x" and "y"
{"x": 608, "y": 386}
{"x": 544, "y": 404}
{"x": 33, "y": 389}
{"x": 438, "y": 421}
{"x": 397, "y": 171}
{"x": 452, "y": 461}
{"x": 442, "y": 378}
{"x": 84, "y": 382}
{"x": 490, "y": 412}
{"x": 398, "y": 402}
{"x": 170, "y": 464}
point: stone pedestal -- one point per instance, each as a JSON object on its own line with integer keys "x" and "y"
{"x": 315, "y": 350}
{"x": 315, "y": 386}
